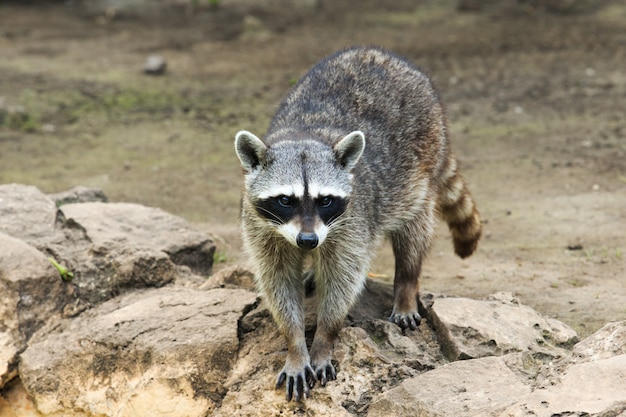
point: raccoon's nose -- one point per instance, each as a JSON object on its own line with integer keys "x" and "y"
{"x": 307, "y": 240}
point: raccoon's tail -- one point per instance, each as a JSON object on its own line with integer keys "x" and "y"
{"x": 457, "y": 208}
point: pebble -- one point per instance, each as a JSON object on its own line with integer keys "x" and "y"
{"x": 155, "y": 65}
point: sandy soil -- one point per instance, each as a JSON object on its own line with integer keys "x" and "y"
{"x": 535, "y": 105}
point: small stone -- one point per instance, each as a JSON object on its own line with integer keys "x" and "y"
{"x": 575, "y": 246}
{"x": 155, "y": 65}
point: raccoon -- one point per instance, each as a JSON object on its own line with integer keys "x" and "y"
{"x": 357, "y": 151}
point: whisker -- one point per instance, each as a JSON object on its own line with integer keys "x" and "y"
{"x": 340, "y": 221}
{"x": 278, "y": 220}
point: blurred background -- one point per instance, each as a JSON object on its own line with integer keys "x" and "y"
{"x": 142, "y": 98}
{"x": 78, "y": 108}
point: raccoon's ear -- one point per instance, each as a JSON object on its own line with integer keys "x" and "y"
{"x": 349, "y": 149}
{"x": 250, "y": 150}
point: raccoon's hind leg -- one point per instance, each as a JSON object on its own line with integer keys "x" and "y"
{"x": 410, "y": 244}
{"x": 459, "y": 211}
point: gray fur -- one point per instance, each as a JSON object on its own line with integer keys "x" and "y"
{"x": 393, "y": 174}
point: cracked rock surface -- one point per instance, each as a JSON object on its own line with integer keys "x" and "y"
{"x": 152, "y": 352}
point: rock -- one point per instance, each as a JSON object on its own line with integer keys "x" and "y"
{"x": 155, "y": 65}
{"x": 157, "y": 352}
{"x": 194, "y": 346}
{"x": 369, "y": 359}
{"x": 609, "y": 341}
{"x": 591, "y": 388}
{"x": 109, "y": 247}
{"x": 25, "y": 212}
{"x": 15, "y": 402}
{"x": 31, "y": 294}
{"x": 114, "y": 247}
{"x": 9, "y": 349}
{"x": 232, "y": 277}
{"x": 362, "y": 369}
{"x": 133, "y": 225}
{"x": 79, "y": 194}
{"x": 477, "y": 387}
{"x": 477, "y": 328}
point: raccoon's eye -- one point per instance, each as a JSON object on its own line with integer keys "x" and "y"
{"x": 326, "y": 201}
{"x": 285, "y": 201}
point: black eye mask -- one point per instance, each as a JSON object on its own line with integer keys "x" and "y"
{"x": 283, "y": 209}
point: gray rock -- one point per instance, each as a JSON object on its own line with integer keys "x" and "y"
{"x": 31, "y": 293}
{"x": 372, "y": 357}
{"x": 232, "y": 277}
{"x": 609, "y": 341}
{"x": 137, "y": 226}
{"x": 592, "y": 381}
{"x": 26, "y": 213}
{"x": 479, "y": 387}
{"x": 115, "y": 247}
{"x": 364, "y": 370}
{"x": 592, "y": 388}
{"x": 109, "y": 248}
{"x": 477, "y": 328}
{"x": 156, "y": 352}
{"x": 79, "y": 194}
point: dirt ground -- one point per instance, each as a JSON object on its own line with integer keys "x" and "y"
{"x": 535, "y": 103}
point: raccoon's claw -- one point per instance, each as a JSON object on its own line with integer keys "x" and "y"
{"x": 299, "y": 385}
{"x": 326, "y": 373}
{"x": 406, "y": 321}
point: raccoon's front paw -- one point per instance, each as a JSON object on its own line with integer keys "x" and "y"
{"x": 325, "y": 372}
{"x": 406, "y": 320}
{"x": 299, "y": 381}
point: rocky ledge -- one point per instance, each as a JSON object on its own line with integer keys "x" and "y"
{"x": 106, "y": 310}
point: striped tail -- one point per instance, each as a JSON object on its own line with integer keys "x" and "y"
{"x": 457, "y": 208}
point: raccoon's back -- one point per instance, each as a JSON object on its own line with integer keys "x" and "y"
{"x": 374, "y": 91}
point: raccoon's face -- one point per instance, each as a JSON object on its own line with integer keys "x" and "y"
{"x": 299, "y": 187}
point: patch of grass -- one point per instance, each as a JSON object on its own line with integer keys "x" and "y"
{"x": 17, "y": 118}
{"x": 219, "y": 257}
{"x": 98, "y": 103}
